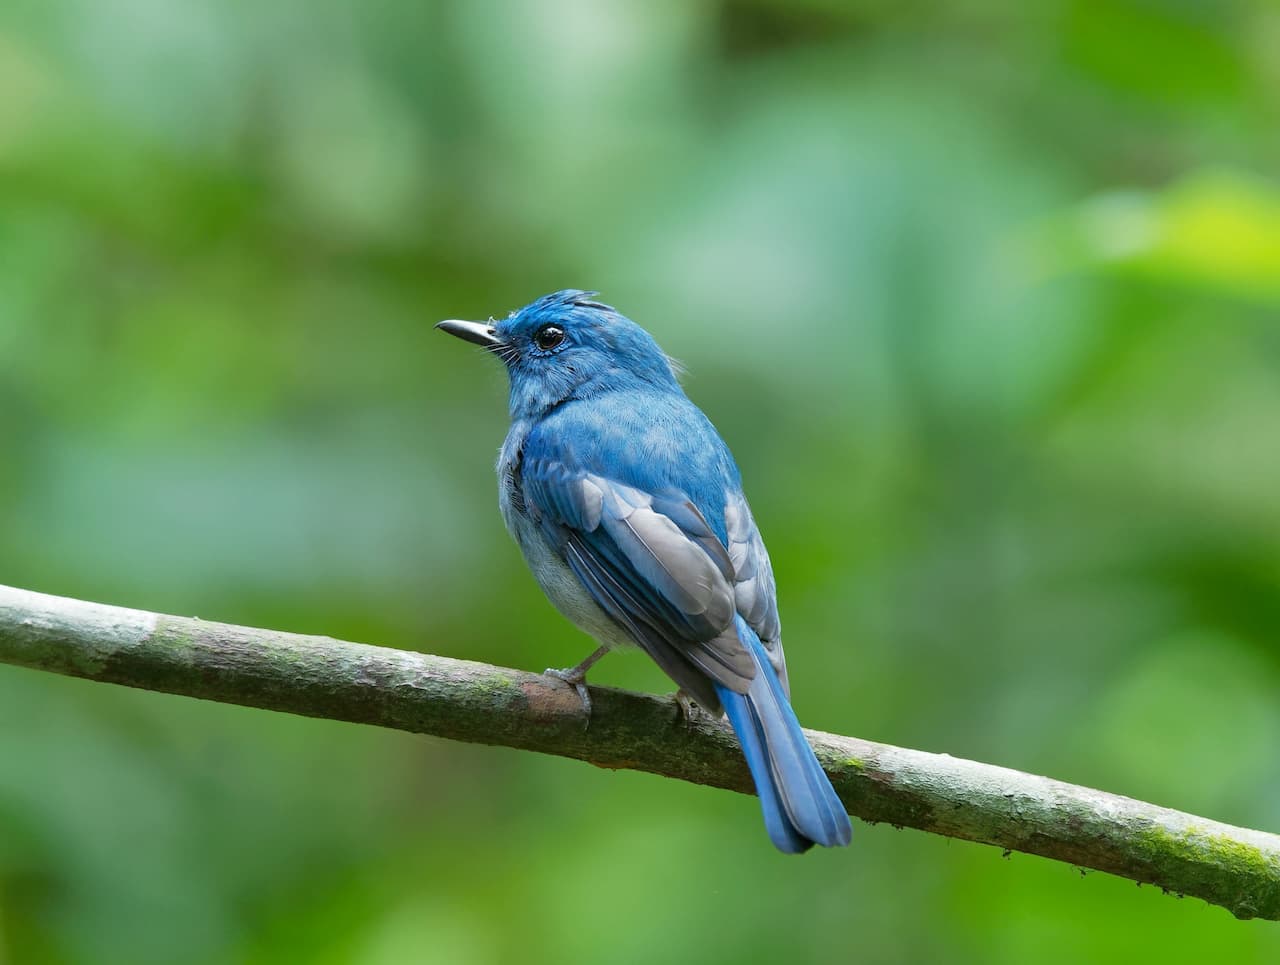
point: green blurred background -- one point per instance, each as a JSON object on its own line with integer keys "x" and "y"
{"x": 986, "y": 299}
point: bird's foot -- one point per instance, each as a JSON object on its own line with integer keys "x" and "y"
{"x": 687, "y": 710}
{"x": 576, "y": 678}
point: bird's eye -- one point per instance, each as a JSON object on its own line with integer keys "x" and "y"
{"x": 548, "y": 337}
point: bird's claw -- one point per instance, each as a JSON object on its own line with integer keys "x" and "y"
{"x": 578, "y": 681}
{"x": 687, "y": 711}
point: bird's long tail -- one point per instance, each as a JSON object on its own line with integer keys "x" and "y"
{"x": 800, "y": 806}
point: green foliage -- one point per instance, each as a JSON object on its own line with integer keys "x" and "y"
{"x": 983, "y": 298}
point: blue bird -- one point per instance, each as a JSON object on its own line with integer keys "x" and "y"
{"x": 629, "y": 510}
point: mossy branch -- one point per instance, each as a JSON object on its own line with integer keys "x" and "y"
{"x": 1233, "y": 867}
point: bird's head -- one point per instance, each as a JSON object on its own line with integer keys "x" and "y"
{"x": 567, "y": 345}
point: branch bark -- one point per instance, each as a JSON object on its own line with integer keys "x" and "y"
{"x": 1236, "y": 868}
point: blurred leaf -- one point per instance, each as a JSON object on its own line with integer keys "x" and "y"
{"x": 1217, "y": 230}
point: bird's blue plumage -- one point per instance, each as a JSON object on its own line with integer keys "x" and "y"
{"x": 629, "y": 510}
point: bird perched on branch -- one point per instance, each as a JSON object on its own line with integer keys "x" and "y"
{"x": 629, "y": 510}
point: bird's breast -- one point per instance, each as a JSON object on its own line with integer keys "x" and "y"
{"x": 561, "y": 586}
{"x": 553, "y": 574}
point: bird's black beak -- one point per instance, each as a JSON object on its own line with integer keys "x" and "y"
{"x": 481, "y": 333}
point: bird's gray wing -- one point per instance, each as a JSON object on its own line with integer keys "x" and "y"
{"x": 653, "y": 564}
{"x": 755, "y": 594}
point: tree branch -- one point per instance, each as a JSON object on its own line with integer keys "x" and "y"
{"x": 1233, "y": 867}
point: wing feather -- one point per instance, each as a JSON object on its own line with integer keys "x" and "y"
{"x": 755, "y": 595}
{"x": 653, "y": 564}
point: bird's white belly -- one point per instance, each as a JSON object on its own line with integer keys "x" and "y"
{"x": 560, "y": 584}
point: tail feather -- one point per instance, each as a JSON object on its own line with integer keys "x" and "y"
{"x": 800, "y": 806}
{"x": 751, "y": 736}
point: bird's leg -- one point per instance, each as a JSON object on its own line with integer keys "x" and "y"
{"x": 576, "y": 677}
{"x": 687, "y": 709}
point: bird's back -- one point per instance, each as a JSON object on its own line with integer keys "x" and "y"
{"x": 652, "y": 441}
